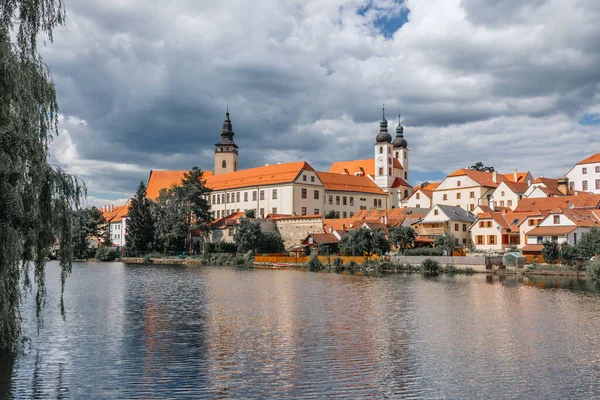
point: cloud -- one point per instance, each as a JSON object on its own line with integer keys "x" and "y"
{"x": 504, "y": 82}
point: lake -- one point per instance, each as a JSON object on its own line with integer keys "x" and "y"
{"x": 221, "y": 332}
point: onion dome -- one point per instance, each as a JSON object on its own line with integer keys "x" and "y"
{"x": 399, "y": 140}
{"x": 383, "y": 136}
{"x": 227, "y": 132}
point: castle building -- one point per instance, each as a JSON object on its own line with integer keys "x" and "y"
{"x": 295, "y": 188}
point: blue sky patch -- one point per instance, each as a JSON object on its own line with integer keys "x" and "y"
{"x": 387, "y": 23}
{"x": 417, "y": 177}
{"x": 590, "y": 119}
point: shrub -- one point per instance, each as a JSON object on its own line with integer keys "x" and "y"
{"x": 430, "y": 266}
{"x": 225, "y": 247}
{"x": 424, "y": 251}
{"x": 593, "y": 270}
{"x": 451, "y": 269}
{"x": 352, "y": 265}
{"x": 105, "y": 253}
{"x": 314, "y": 264}
{"x": 338, "y": 262}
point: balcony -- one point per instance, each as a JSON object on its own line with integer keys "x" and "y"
{"x": 427, "y": 231}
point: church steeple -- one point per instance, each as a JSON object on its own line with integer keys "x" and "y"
{"x": 227, "y": 132}
{"x": 226, "y": 151}
{"x": 399, "y": 140}
{"x": 383, "y": 135}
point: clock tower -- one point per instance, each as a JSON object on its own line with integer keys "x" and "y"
{"x": 384, "y": 167}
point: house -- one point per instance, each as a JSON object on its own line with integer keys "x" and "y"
{"x": 508, "y": 194}
{"x": 318, "y": 241}
{"x": 467, "y": 188}
{"x": 562, "y": 226}
{"x": 223, "y": 229}
{"x": 422, "y": 197}
{"x": 116, "y": 217}
{"x": 495, "y": 230}
{"x": 293, "y": 228}
{"x": 443, "y": 219}
{"x": 585, "y": 175}
{"x": 583, "y": 201}
{"x": 519, "y": 177}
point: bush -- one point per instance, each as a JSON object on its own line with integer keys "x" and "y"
{"x": 352, "y": 266}
{"x": 106, "y": 254}
{"x": 451, "y": 269}
{"x": 338, "y": 262}
{"x": 593, "y": 270}
{"x": 430, "y": 266}
{"x": 424, "y": 251}
{"x": 225, "y": 247}
{"x": 314, "y": 264}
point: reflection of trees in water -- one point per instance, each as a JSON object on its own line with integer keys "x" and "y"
{"x": 7, "y": 361}
{"x": 573, "y": 283}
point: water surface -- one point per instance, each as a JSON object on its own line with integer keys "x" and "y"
{"x": 212, "y": 332}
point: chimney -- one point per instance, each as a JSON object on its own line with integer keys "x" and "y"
{"x": 528, "y": 182}
{"x": 492, "y": 205}
{"x": 563, "y": 185}
{"x": 516, "y": 175}
{"x": 495, "y": 177}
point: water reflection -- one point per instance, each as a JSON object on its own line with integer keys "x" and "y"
{"x": 164, "y": 332}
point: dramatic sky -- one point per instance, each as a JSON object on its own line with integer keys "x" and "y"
{"x": 144, "y": 85}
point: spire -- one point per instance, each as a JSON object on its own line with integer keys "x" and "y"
{"x": 399, "y": 128}
{"x": 227, "y": 132}
{"x": 399, "y": 140}
{"x": 383, "y": 135}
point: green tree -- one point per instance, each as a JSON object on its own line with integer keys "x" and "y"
{"x": 331, "y": 215}
{"x": 140, "y": 222}
{"x": 567, "y": 253}
{"x": 171, "y": 221}
{"x": 36, "y": 199}
{"x": 480, "y": 167}
{"x": 247, "y": 236}
{"x": 446, "y": 242}
{"x": 589, "y": 245}
{"x": 86, "y": 224}
{"x": 364, "y": 241}
{"x": 250, "y": 214}
{"x": 550, "y": 251}
{"x": 192, "y": 195}
{"x": 271, "y": 242}
{"x": 402, "y": 237}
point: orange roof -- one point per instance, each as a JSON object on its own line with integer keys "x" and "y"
{"x": 517, "y": 187}
{"x": 338, "y": 224}
{"x": 350, "y": 167}
{"x": 399, "y": 182}
{"x": 520, "y": 177}
{"x": 265, "y": 175}
{"x": 536, "y": 248}
{"x": 551, "y": 230}
{"x": 591, "y": 159}
{"x": 432, "y": 186}
{"x": 481, "y": 177}
{"x": 348, "y": 183}
{"x": 117, "y": 214}
{"x": 583, "y": 201}
{"x": 228, "y": 220}
{"x": 583, "y": 218}
{"x": 507, "y": 220}
{"x": 165, "y": 179}
{"x": 284, "y": 216}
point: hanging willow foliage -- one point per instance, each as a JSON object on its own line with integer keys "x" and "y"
{"x": 36, "y": 199}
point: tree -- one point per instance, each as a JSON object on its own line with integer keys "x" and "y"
{"x": 480, "y": 167}
{"x": 567, "y": 253}
{"x": 86, "y": 224}
{"x": 364, "y": 241}
{"x": 332, "y": 215}
{"x": 192, "y": 195}
{"x": 247, "y": 236}
{"x": 550, "y": 251}
{"x": 446, "y": 242}
{"x": 271, "y": 242}
{"x": 250, "y": 214}
{"x": 589, "y": 245}
{"x": 171, "y": 221}
{"x": 402, "y": 237}
{"x": 140, "y": 222}
{"x": 37, "y": 200}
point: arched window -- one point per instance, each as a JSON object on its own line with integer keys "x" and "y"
{"x": 390, "y": 160}
{"x": 224, "y": 164}
{"x": 397, "y": 154}
{"x": 380, "y": 149}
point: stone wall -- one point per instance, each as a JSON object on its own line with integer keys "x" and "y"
{"x": 294, "y": 231}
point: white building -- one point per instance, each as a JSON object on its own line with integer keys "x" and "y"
{"x": 585, "y": 175}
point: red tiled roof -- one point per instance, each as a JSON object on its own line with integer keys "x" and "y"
{"x": 228, "y": 220}
{"x": 283, "y": 216}
{"x": 338, "y": 224}
{"x": 595, "y": 158}
{"x": 551, "y": 230}
{"x": 165, "y": 179}
{"x": 322, "y": 238}
{"x": 520, "y": 177}
{"x": 349, "y": 183}
{"x": 117, "y": 214}
{"x": 399, "y": 182}
{"x": 533, "y": 248}
{"x": 517, "y": 187}
{"x": 350, "y": 167}
{"x": 481, "y": 177}
{"x": 582, "y": 201}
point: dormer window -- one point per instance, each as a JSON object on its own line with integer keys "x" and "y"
{"x": 557, "y": 219}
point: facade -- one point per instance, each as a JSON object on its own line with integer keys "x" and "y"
{"x": 585, "y": 175}
{"x": 467, "y": 189}
{"x": 116, "y": 217}
{"x": 508, "y": 194}
{"x": 422, "y": 197}
{"x": 444, "y": 219}
{"x": 496, "y": 230}
{"x": 223, "y": 229}
{"x": 548, "y": 187}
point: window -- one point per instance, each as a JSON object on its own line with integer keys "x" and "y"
{"x": 509, "y": 203}
{"x": 390, "y": 160}
{"x": 274, "y": 211}
{"x": 472, "y": 195}
{"x": 344, "y": 201}
{"x": 229, "y": 231}
{"x": 598, "y": 169}
{"x": 380, "y": 171}
{"x": 254, "y": 196}
{"x": 316, "y": 195}
{"x": 316, "y": 210}
{"x": 501, "y": 203}
{"x": 502, "y": 193}
{"x": 374, "y": 202}
{"x": 351, "y": 214}
{"x": 555, "y": 238}
{"x": 224, "y": 164}
{"x": 597, "y": 184}
{"x": 228, "y": 199}
{"x": 351, "y": 200}
{"x": 418, "y": 196}
{"x": 557, "y": 219}
{"x": 380, "y": 149}
{"x": 584, "y": 170}
{"x": 330, "y": 199}
{"x": 464, "y": 241}
{"x": 540, "y": 239}
{"x": 218, "y": 213}
{"x": 457, "y": 183}
{"x": 337, "y": 200}
{"x": 304, "y": 194}
{"x": 397, "y": 154}
{"x": 237, "y": 197}
{"x": 572, "y": 185}
{"x": 479, "y": 239}
{"x": 363, "y": 207}
{"x": 456, "y": 227}
{"x": 471, "y": 207}
{"x": 262, "y": 212}
{"x": 492, "y": 239}
{"x": 405, "y": 156}
{"x": 389, "y": 171}
{"x": 575, "y": 235}
{"x": 435, "y": 212}
{"x": 262, "y": 194}
{"x": 531, "y": 222}
{"x": 379, "y": 203}
{"x": 458, "y": 196}
{"x": 245, "y": 196}
{"x": 303, "y": 210}
{"x": 464, "y": 227}
{"x": 214, "y": 199}
{"x": 304, "y": 178}
{"x": 223, "y": 198}
{"x": 274, "y": 194}
{"x": 312, "y": 178}
{"x": 405, "y": 175}
{"x": 584, "y": 185}
{"x": 337, "y": 214}
{"x": 345, "y": 214}
{"x": 488, "y": 224}
{"x": 445, "y": 197}
{"x": 481, "y": 224}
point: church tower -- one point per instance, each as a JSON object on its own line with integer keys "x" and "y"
{"x": 384, "y": 167}
{"x": 401, "y": 149}
{"x": 226, "y": 151}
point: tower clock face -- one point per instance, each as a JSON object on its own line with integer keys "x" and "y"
{"x": 380, "y": 160}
